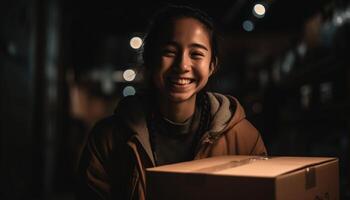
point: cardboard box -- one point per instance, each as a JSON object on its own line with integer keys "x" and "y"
{"x": 246, "y": 178}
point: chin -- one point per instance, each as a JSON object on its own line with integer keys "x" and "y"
{"x": 180, "y": 97}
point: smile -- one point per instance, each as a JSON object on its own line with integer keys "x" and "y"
{"x": 180, "y": 81}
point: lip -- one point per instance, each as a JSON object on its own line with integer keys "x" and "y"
{"x": 180, "y": 83}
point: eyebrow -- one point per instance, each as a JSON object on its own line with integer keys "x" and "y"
{"x": 195, "y": 45}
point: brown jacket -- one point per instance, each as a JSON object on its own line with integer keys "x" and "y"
{"x": 118, "y": 150}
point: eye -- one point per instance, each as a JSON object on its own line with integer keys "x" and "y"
{"x": 168, "y": 52}
{"x": 197, "y": 55}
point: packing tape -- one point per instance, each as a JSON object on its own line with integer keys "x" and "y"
{"x": 231, "y": 164}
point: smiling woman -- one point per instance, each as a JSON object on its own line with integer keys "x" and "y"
{"x": 184, "y": 68}
{"x": 176, "y": 120}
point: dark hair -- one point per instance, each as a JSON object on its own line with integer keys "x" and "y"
{"x": 164, "y": 17}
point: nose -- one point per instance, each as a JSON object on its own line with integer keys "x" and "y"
{"x": 184, "y": 63}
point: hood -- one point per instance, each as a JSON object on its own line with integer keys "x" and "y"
{"x": 225, "y": 112}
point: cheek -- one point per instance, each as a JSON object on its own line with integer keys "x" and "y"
{"x": 158, "y": 77}
{"x": 204, "y": 70}
{"x": 164, "y": 67}
{"x": 166, "y": 63}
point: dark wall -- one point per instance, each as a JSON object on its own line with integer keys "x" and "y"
{"x": 19, "y": 153}
{"x": 30, "y": 96}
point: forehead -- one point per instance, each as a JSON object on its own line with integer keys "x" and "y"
{"x": 187, "y": 29}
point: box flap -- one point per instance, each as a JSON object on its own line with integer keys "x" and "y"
{"x": 197, "y": 165}
{"x": 243, "y": 165}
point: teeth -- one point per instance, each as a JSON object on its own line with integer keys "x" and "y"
{"x": 181, "y": 81}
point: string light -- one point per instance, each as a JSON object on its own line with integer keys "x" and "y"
{"x": 129, "y": 75}
{"x": 129, "y": 90}
{"x": 136, "y": 42}
{"x": 259, "y": 10}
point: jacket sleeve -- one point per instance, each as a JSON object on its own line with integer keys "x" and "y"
{"x": 92, "y": 175}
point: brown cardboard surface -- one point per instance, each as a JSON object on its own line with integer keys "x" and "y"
{"x": 294, "y": 185}
{"x": 273, "y": 167}
{"x": 246, "y": 177}
{"x": 251, "y": 165}
{"x": 197, "y": 165}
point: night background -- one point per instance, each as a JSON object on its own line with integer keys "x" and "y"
{"x": 62, "y": 66}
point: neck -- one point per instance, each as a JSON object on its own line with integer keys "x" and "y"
{"x": 177, "y": 111}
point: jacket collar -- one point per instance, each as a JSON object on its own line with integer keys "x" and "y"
{"x": 225, "y": 112}
{"x": 133, "y": 111}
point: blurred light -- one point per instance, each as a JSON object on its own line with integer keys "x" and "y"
{"x": 129, "y": 90}
{"x": 339, "y": 20}
{"x": 129, "y": 75}
{"x": 276, "y": 72}
{"x": 288, "y": 62}
{"x": 107, "y": 86}
{"x": 326, "y": 92}
{"x": 135, "y": 42}
{"x": 263, "y": 77}
{"x": 305, "y": 95}
{"x": 248, "y": 25}
{"x": 12, "y": 50}
{"x": 301, "y": 49}
{"x": 259, "y": 10}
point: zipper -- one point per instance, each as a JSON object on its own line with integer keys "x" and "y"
{"x": 207, "y": 139}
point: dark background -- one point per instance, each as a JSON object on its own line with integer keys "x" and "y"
{"x": 291, "y": 73}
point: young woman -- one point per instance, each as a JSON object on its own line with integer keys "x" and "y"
{"x": 175, "y": 121}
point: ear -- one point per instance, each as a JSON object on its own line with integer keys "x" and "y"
{"x": 213, "y": 66}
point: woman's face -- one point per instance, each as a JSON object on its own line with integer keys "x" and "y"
{"x": 183, "y": 61}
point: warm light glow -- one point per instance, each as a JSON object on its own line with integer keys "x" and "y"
{"x": 136, "y": 42}
{"x": 259, "y": 10}
{"x": 129, "y": 90}
{"x": 129, "y": 75}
